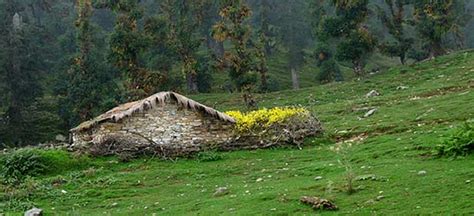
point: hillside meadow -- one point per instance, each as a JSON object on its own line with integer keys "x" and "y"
{"x": 389, "y": 157}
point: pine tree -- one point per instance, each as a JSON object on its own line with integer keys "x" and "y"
{"x": 394, "y": 21}
{"x": 240, "y": 61}
{"x": 89, "y": 81}
{"x": 161, "y": 55}
{"x": 184, "y": 26}
{"x": 127, "y": 43}
{"x": 20, "y": 75}
{"x": 357, "y": 43}
{"x": 435, "y": 19}
{"x": 295, "y": 36}
{"x": 328, "y": 68}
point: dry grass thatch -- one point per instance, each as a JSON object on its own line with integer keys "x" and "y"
{"x": 125, "y": 110}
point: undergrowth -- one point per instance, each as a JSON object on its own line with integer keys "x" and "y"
{"x": 29, "y": 162}
{"x": 460, "y": 141}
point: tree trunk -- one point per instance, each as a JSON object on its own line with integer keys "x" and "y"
{"x": 295, "y": 79}
{"x": 216, "y": 46}
{"x": 436, "y": 49}
{"x": 263, "y": 80}
{"x": 402, "y": 58}
{"x": 358, "y": 68}
{"x": 191, "y": 81}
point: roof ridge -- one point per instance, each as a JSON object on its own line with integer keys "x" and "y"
{"x": 128, "y": 109}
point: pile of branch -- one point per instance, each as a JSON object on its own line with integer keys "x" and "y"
{"x": 133, "y": 145}
{"x": 318, "y": 203}
{"x": 291, "y": 132}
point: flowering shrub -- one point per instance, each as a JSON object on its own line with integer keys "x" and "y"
{"x": 265, "y": 118}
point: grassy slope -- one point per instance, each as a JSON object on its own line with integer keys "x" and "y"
{"x": 397, "y": 141}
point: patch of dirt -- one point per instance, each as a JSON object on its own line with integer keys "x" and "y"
{"x": 353, "y": 139}
{"x": 443, "y": 91}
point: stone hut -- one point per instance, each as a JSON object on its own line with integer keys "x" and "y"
{"x": 166, "y": 123}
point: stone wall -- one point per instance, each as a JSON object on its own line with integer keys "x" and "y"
{"x": 163, "y": 127}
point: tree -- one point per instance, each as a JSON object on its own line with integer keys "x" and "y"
{"x": 295, "y": 36}
{"x": 184, "y": 23}
{"x": 19, "y": 71}
{"x": 328, "y": 67}
{"x": 266, "y": 29}
{"x": 395, "y": 22}
{"x": 239, "y": 61}
{"x": 356, "y": 48}
{"x": 261, "y": 61}
{"x": 357, "y": 43}
{"x": 127, "y": 43}
{"x": 208, "y": 15}
{"x": 89, "y": 80}
{"x": 435, "y": 19}
{"x": 161, "y": 55}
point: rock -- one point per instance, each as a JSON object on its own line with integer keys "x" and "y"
{"x": 468, "y": 181}
{"x": 422, "y": 172}
{"x": 34, "y": 212}
{"x": 221, "y": 191}
{"x": 380, "y": 197}
{"x": 318, "y": 203}
{"x": 370, "y": 112}
{"x": 402, "y": 87}
{"x": 366, "y": 177}
{"x": 370, "y": 202}
{"x": 342, "y": 132}
{"x": 318, "y": 178}
{"x": 60, "y": 138}
{"x": 259, "y": 180}
{"x": 372, "y": 93}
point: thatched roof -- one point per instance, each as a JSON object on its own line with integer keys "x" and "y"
{"x": 126, "y": 110}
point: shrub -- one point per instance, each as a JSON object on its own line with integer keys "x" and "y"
{"x": 21, "y": 164}
{"x": 269, "y": 127}
{"x": 460, "y": 141}
{"x": 264, "y": 118}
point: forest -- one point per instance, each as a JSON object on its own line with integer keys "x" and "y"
{"x": 66, "y": 61}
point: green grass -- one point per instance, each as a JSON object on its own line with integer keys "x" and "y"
{"x": 397, "y": 142}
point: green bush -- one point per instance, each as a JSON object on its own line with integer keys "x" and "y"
{"x": 20, "y": 164}
{"x": 23, "y": 163}
{"x": 460, "y": 141}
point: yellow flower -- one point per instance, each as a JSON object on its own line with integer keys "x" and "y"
{"x": 263, "y": 118}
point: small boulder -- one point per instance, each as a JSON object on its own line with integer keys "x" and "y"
{"x": 372, "y": 93}
{"x": 317, "y": 178}
{"x": 221, "y": 191}
{"x": 60, "y": 138}
{"x": 370, "y": 112}
{"x": 402, "y": 87}
{"x": 366, "y": 177}
{"x": 34, "y": 212}
{"x": 422, "y": 172}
